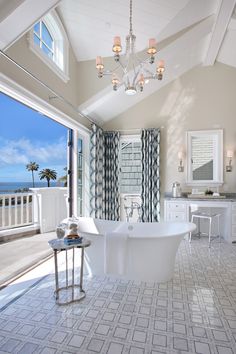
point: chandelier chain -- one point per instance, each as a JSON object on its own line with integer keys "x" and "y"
{"x": 130, "y": 18}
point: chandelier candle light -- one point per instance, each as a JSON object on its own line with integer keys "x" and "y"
{"x": 135, "y": 73}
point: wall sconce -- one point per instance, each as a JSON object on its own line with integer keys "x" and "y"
{"x": 229, "y": 155}
{"x": 180, "y": 157}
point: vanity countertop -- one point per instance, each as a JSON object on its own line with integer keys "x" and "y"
{"x": 229, "y": 197}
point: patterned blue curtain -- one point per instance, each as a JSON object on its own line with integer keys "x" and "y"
{"x": 104, "y": 174}
{"x": 150, "y": 190}
{"x": 96, "y": 172}
{"x": 111, "y": 176}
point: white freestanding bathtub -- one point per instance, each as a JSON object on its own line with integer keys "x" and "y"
{"x": 151, "y": 247}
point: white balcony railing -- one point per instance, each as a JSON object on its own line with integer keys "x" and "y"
{"x": 16, "y": 210}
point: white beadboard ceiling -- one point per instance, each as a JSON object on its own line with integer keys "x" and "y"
{"x": 92, "y": 24}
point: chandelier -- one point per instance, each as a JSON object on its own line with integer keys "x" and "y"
{"x": 131, "y": 71}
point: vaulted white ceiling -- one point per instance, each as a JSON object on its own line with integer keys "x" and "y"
{"x": 201, "y": 30}
{"x": 189, "y": 33}
{"x": 92, "y": 24}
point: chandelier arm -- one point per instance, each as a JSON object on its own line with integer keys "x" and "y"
{"x": 142, "y": 61}
{"x": 152, "y": 77}
{"x": 110, "y": 72}
{"x": 128, "y": 61}
{"x": 135, "y": 77}
{"x": 150, "y": 72}
{"x": 107, "y": 72}
{"x": 123, "y": 67}
{"x": 134, "y": 66}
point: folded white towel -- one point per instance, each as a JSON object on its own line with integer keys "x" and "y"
{"x": 115, "y": 253}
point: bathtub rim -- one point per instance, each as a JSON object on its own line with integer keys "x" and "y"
{"x": 192, "y": 227}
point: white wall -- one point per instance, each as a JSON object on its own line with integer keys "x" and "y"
{"x": 203, "y": 98}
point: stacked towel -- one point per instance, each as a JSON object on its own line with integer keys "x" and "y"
{"x": 115, "y": 253}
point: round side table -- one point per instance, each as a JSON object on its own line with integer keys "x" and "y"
{"x": 58, "y": 245}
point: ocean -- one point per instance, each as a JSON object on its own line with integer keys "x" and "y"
{"x": 11, "y": 187}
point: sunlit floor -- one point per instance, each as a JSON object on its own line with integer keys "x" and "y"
{"x": 193, "y": 313}
{"x": 18, "y": 255}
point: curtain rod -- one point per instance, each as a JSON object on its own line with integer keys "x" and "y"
{"x": 138, "y": 130}
{"x": 124, "y": 130}
{"x": 46, "y": 86}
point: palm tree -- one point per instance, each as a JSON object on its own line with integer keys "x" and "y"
{"x": 32, "y": 166}
{"x": 48, "y": 175}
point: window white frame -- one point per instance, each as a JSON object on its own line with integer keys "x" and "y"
{"x": 59, "y": 64}
{"x": 40, "y": 38}
{"x": 217, "y": 136}
{"x": 85, "y": 137}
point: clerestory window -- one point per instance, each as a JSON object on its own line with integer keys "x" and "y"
{"x": 43, "y": 39}
{"x": 48, "y": 40}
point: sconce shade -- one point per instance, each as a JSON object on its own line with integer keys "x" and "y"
{"x": 230, "y": 154}
{"x": 180, "y": 157}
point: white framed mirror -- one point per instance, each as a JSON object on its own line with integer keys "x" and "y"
{"x": 205, "y": 157}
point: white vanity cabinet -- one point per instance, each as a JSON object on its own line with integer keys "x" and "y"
{"x": 176, "y": 211}
{"x": 180, "y": 210}
{"x": 233, "y": 217}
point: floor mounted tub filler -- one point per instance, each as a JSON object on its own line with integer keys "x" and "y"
{"x": 133, "y": 251}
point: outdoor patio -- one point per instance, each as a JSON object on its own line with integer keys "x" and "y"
{"x": 19, "y": 255}
{"x": 27, "y": 222}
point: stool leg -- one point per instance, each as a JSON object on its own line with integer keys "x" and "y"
{"x": 210, "y": 227}
{"x": 218, "y": 217}
{"x": 56, "y": 275}
{"x": 190, "y": 234}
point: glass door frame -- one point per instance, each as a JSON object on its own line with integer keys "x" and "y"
{"x": 21, "y": 94}
{"x": 85, "y": 137}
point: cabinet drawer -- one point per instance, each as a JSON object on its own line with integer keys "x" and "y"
{"x": 176, "y": 216}
{"x": 176, "y": 206}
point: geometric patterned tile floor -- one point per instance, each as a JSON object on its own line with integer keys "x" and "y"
{"x": 193, "y": 313}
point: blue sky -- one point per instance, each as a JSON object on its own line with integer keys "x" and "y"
{"x": 26, "y": 135}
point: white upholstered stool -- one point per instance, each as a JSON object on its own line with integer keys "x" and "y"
{"x": 207, "y": 216}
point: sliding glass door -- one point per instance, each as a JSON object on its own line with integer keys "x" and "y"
{"x": 78, "y": 175}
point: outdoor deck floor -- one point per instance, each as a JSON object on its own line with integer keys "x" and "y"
{"x": 18, "y": 255}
